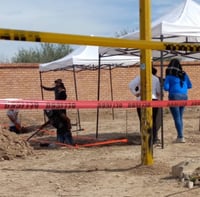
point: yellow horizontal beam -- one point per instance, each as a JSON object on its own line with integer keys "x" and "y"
{"x": 34, "y": 36}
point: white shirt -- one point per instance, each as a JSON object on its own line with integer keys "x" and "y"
{"x": 135, "y": 88}
{"x": 14, "y": 115}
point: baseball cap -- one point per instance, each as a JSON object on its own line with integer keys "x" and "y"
{"x": 58, "y": 81}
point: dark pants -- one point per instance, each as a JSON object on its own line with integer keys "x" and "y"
{"x": 64, "y": 136}
{"x": 64, "y": 111}
{"x": 156, "y": 121}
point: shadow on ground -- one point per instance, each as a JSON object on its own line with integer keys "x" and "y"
{"x": 42, "y": 140}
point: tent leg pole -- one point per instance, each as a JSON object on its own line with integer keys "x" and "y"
{"x": 111, "y": 88}
{"x": 42, "y": 93}
{"x": 161, "y": 89}
{"x": 98, "y": 94}
{"x": 76, "y": 93}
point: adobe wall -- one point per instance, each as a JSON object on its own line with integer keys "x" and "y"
{"x": 23, "y": 81}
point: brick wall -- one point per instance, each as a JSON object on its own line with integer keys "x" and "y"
{"x": 23, "y": 81}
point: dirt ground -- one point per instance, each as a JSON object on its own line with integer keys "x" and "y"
{"x": 108, "y": 168}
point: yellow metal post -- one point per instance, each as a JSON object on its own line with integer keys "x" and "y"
{"x": 146, "y": 83}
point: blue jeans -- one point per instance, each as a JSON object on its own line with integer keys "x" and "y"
{"x": 64, "y": 136}
{"x": 177, "y": 113}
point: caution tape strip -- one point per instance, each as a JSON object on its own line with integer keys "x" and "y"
{"x": 52, "y": 104}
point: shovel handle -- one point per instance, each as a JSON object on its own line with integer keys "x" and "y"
{"x": 38, "y": 130}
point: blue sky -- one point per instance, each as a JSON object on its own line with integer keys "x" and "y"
{"x": 84, "y": 17}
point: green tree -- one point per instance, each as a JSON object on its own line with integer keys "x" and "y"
{"x": 45, "y": 53}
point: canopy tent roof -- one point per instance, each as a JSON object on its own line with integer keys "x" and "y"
{"x": 87, "y": 57}
{"x": 180, "y": 25}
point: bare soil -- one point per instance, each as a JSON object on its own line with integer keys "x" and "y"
{"x": 104, "y": 163}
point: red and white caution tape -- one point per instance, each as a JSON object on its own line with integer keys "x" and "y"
{"x": 55, "y": 104}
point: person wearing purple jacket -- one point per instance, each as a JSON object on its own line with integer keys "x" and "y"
{"x": 177, "y": 83}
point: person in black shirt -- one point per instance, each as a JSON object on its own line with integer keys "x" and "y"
{"x": 62, "y": 123}
{"x": 59, "y": 90}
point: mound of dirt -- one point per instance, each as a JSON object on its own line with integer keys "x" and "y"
{"x": 13, "y": 146}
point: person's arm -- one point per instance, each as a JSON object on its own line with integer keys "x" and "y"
{"x": 158, "y": 90}
{"x": 189, "y": 83}
{"x": 166, "y": 84}
{"x": 11, "y": 118}
{"x": 48, "y": 88}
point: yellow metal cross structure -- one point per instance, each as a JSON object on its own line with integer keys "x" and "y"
{"x": 48, "y": 37}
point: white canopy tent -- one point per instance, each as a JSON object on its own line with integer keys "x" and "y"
{"x": 88, "y": 58}
{"x": 181, "y": 25}
{"x": 82, "y": 56}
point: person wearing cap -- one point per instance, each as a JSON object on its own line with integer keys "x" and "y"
{"x": 134, "y": 87}
{"x": 59, "y": 90}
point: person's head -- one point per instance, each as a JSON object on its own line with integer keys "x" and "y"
{"x": 58, "y": 82}
{"x": 174, "y": 68}
{"x": 175, "y": 63}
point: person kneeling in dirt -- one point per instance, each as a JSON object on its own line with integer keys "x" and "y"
{"x": 14, "y": 125}
{"x": 59, "y": 120}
